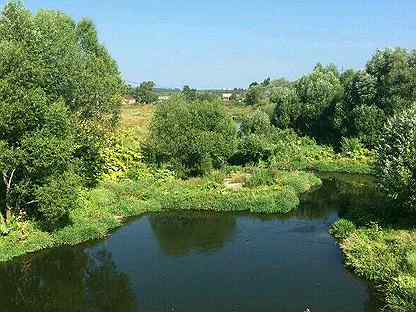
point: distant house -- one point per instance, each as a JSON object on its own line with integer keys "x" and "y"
{"x": 130, "y": 100}
{"x": 226, "y": 97}
{"x": 164, "y": 97}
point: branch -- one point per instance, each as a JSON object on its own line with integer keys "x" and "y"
{"x": 31, "y": 202}
{"x": 10, "y": 179}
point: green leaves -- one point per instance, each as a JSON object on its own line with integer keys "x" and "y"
{"x": 396, "y": 158}
{"x": 145, "y": 93}
{"x": 190, "y": 137}
{"x": 60, "y": 92}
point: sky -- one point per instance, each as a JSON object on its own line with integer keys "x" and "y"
{"x": 229, "y": 43}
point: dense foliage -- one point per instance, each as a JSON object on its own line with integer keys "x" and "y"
{"x": 145, "y": 93}
{"x": 191, "y": 137}
{"x": 329, "y": 105}
{"x": 396, "y": 159}
{"x": 59, "y": 93}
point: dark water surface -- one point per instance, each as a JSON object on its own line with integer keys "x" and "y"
{"x": 202, "y": 262}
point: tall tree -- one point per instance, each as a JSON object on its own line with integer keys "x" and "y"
{"x": 60, "y": 93}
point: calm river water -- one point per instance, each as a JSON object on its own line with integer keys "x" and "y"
{"x": 202, "y": 262}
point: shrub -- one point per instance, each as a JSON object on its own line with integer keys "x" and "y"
{"x": 252, "y": 149}
{"x": 367, "y": 123}
{"x": 342, "y": 229}
{"x": 260, "y": 177}
{"x": 255, "y": 123}
{"x": 378, "y": 255}
{"x": 401, "y": 293}
{"x": 192, "y": 138}
{"x": 299, "y": 181}
{"x": 255, "y": 143}
{"x": 396, "y": 159}
{"x": 287, "y": 107}
{"x": 351, "y": 146}
{"x": 56, "y": 198}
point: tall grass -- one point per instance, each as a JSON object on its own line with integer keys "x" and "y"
{"x": 385, "y": 257}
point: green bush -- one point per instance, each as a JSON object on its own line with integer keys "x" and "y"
{"x": 351, "y": 146}
{"x": 260, "y": 177}
{"x": 287, "y": 107}
{"x": 192, "y": 138}
{"x": 299, "y": 181}
{"x": 255, "y": 123}
{"x": 396, "y": 159}
{"x": 259, "y": 201}
{"x": 372, "y": 254}
{"x": 255, "y": 142}
{"x": 342, "y": 229}
{"x": 401, "y": 293}
{"x": 56, "y": 198}
{"x": 367, "y": 124}
{"x": 252, "y": 149}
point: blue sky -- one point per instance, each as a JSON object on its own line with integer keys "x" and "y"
{"x": 225, "y": 44}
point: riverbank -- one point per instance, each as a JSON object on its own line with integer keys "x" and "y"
{"x": 379, "y": 245}
{"x": 146, "y": 190}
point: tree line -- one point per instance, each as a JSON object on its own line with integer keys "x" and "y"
{"x": 328, "y": 104}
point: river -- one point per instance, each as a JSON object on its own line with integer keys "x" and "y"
{"x": 203, "y": 262}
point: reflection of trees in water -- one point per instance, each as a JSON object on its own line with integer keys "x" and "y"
{"x": 65, "y": 279}
{"x": 180, "y": 233}
{"x": 354, "y": 197}
{"x": 340, "y": 193}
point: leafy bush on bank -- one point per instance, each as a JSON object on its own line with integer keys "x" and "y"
{"x": 385, "y": 257}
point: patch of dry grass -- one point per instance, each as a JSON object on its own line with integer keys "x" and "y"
{"x": 136, "y": 116}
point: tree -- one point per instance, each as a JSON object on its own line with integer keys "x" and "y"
{"x": 257, "y": 123}
{"x": 287, "y": 107}
{"x": 366, "y": 124}
{"x": 255, "y": 142}
{"x": 394, "y": 72}
{"x": 254, "y": 94}
{"x": 191, "y": 137}
{"x": 60, "y": 93}
{"x": 318, "y": 93}
{"x": 189, "y": 94}
{"x": 396, "y": 159}
{"x": 145, "y": 93}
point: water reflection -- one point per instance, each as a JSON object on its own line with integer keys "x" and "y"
{"x": 179, "y": 234}
{"x": 68, "y": 279}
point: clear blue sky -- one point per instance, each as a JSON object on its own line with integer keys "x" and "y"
{"x": 222, "y": 44}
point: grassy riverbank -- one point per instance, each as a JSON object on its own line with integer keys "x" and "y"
{"x": 139, "y": 191}
{"x": 379, "y": 245}
{"x": 384, "y": 256}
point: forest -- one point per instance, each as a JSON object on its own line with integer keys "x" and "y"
{"x": 77, "y": 160}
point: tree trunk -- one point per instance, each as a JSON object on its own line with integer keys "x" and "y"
{"x": 8, "y": 182}
{"x": 2, "y": 223}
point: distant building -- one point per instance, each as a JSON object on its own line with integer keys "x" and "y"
{"x": 226, "y": 97}
{"x": 164, "y": 97}
{"x": 130, "y": 100}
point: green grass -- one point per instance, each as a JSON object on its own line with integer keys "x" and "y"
{"x": 342, "y": 229}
